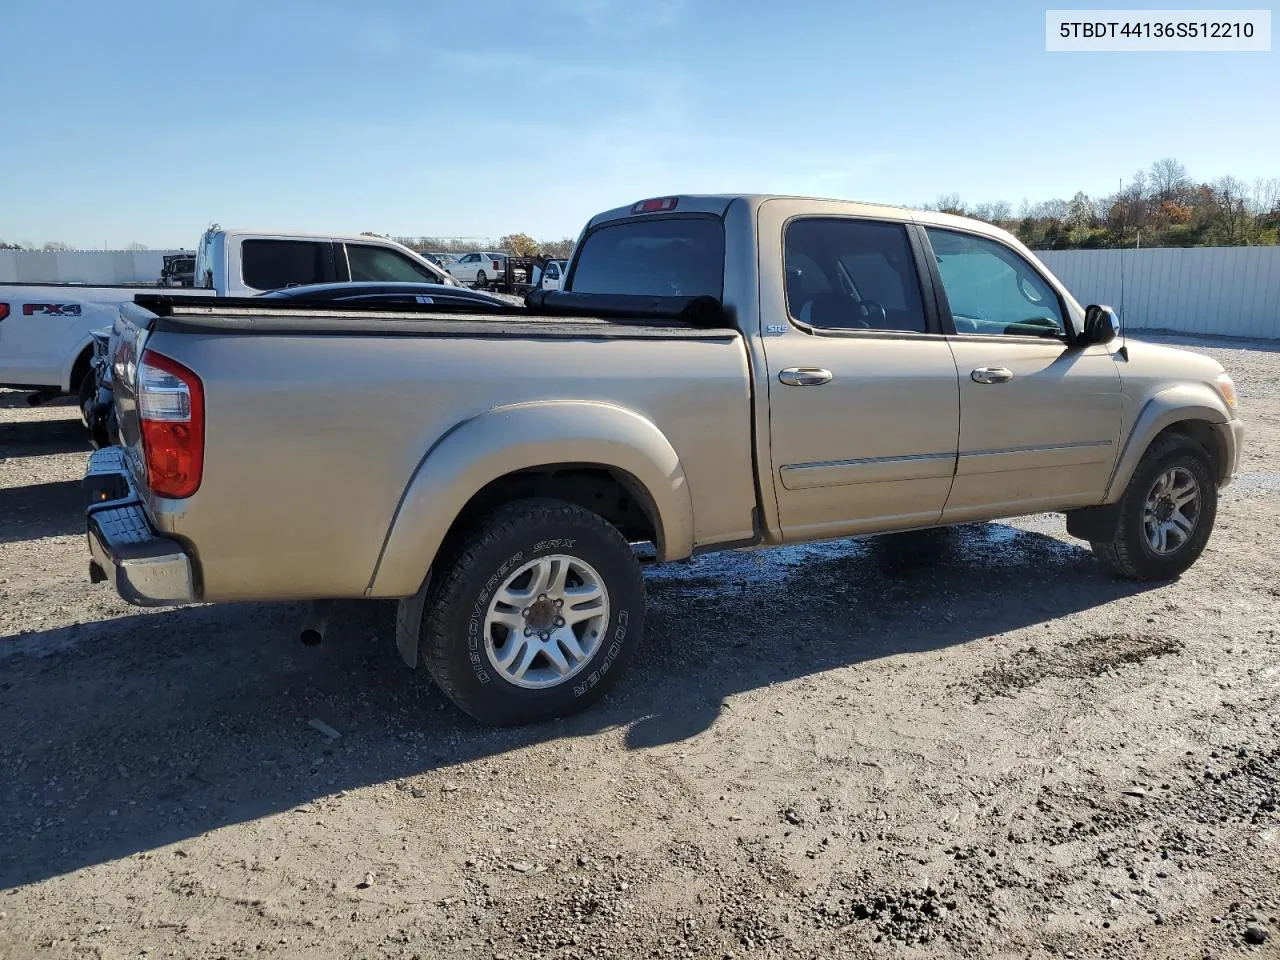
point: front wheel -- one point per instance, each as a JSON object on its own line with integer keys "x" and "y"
{"x": 536, "y": 615}
{"x": 1166, "y": 513}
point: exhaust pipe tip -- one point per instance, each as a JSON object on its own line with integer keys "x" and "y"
{"x": 315, "y": 622}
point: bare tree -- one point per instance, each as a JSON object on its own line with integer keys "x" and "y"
{"x": 1231, "y": 218}
{"x": 136, "y": 246}
{"x": 1265, "y": 197}
{"x": 1169, "y": 180}
{"x": 949, "y": 203}
{"x": 1053, "y": 209}
{"x": 55, "y": 246}
{"x": 558, "y": 249}
{"x": 1081, "y": 212}
{"x": 997, "y": 211}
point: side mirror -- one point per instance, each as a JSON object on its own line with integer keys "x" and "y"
{"x": 1101, "y": 325}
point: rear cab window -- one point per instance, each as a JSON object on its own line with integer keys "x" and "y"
{"x": 272, "y": 264}
{"x": 667, "y": 256}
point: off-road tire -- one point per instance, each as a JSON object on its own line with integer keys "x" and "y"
{"x": 451, "y": 635}
{"x": 1128, "y": 552}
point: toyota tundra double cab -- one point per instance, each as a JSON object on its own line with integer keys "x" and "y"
{"x": 719, "y": 372}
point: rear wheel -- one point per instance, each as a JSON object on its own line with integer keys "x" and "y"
{"x": 87, "y": 394}
{"x": 481, "y": 280}
{"x": 535, "y": 616}
{"x": 1166, "y": 514}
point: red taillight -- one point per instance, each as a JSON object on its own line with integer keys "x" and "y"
{"x": 171, "y": 412}
{"x": 496, "y": 266}
{"x": 656, "y": 205}
{"x": 4, "y": 310}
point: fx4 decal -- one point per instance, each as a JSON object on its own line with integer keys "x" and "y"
{"x": 51, "y": 309}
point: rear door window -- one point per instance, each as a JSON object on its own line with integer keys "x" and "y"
{"x": 272, "y": 264}
{"x": 851, "y": 274}
{"x": 663, "y": 257}
{"x": 379, "y": 263}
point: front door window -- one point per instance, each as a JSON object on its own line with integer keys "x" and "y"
{"x": 993, "y": 290}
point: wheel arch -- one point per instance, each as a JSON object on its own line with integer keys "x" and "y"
{"x": 80, "y": 364}
{"x": 600, "y": 456}
{"x": 1191, "y": 410}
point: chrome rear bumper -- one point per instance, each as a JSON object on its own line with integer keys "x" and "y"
{"x": 146, "y": 569}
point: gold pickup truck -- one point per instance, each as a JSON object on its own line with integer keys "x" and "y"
{"x": 863, "y": 369}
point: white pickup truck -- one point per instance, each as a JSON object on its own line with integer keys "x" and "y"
{"x": 45, "y": 342}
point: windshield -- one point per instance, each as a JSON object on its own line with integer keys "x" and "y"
{"x": 663, "y": 256}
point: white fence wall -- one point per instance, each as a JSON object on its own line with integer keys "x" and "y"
{"x": 1225, "y": 291}
{"x": 82, "y": 266}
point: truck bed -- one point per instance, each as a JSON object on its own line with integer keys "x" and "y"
{"x": 319, "y": 420}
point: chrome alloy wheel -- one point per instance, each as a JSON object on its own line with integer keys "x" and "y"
{"x": 546, "y": 621}
{"x": 1171, "y": 511}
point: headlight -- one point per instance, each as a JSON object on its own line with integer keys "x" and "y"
{"x": 1227, "y": 388}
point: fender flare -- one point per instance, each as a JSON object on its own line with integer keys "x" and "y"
{"x": 505, "y": 440}
{"x": 1174, "y": 404}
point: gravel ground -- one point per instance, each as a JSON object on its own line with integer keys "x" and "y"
{"x": 1004, "y": 753}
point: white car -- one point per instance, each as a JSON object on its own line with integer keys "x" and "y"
{"x": 478, "y": 269}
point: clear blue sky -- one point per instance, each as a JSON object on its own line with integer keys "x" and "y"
{"x": 141, "y": 121}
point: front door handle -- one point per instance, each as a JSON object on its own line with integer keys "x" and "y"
{"x": 992, "y": 375}
{"x": 804, "y": 376}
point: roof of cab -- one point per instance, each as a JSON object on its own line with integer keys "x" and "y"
{"x": 718, "y": 204}
{"x": 306, "y": 235}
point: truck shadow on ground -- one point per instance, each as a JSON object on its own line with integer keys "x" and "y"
{"x": 41, "y": 510}
{"x": 40, "y": 438}
{"x": 135, "y": 732}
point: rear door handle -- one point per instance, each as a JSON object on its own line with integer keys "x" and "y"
{"x": 804, "y": 376}
{"x": 992, "y": 375}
